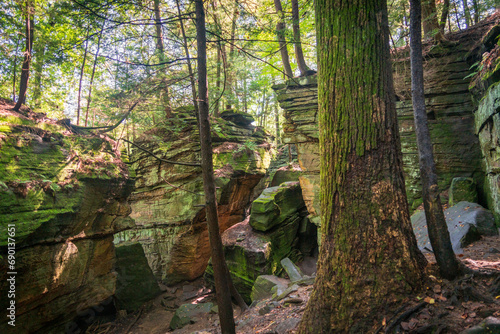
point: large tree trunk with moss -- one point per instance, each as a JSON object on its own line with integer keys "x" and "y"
{"x": 369, "y": 261}
{"x": 436, "y": 223}
{"x": 280, "y": 32}
{"x": 25, "y": 74}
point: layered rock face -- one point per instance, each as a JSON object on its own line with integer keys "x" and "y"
{"x": 486, "y": 90}
{"x": 449, "y": 106}
{"x": 167, "y": 205}
{"x": 65, "y": 195}
{"x": 276, "y": 229}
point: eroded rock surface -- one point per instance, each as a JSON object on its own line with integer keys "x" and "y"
{"x": 167, "y": 205}
{"x": 66, "y": 195}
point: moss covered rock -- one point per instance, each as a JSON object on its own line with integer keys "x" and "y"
{"x": 167, "y": 204}
{"x": 275, "y": 205}
{"x": 462, "y": 189}
{"x": 66, "y": 195}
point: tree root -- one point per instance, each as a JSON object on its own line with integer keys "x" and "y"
{"x": 405, "y": 316}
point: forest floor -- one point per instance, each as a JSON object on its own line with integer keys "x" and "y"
{"x": 444, "y": 307}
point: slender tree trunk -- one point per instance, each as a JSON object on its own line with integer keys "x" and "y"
{"x": 369, "y": 260}
{"x": 299, "y": 55}
{"x": 468, "y": 19}
{"x": 444, "y": 15}
{"x": 14, "y": 71}
{"x": 81, "y": 77}
{"x": 430, "y": 21}
{"x": 190, "y": 68}
{"x": 436, "y": 223}
{"x": 476, "y": 11}
{"x": 230, "y": 75}
{"x": 277, "y": 121}
{"x": 245, "y": 98}
{"x": 280, "y": 33}
{"x": 38, "y": 66}
{"x": 456, "y": 15}
{"x": 221, "y": 276}
{"x": 93, "y": 72}
{"x": 218, "y": 81}
{"x": 161, "y": 55}
{"x": 25, "y": 74}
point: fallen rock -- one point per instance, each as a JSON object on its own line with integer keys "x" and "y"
{"x": 188, "y": 314}
{"x": 264, "y": 284}
{"x": 294, "y": 272}
{"x": 275, "y": 205}
{"x": 466, "y": 223}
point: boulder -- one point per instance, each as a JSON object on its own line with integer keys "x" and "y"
{"x": 136, "y": 283}
{"x": 189, "y": 313}
{"x": 466, "y": 223}
{"x": 275, "y": 205}
{"x": 238, "y": 118}
{"x": 264, "y": 284}
{"x": 462, "y": 189}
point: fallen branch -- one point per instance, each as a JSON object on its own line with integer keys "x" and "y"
{"x": 194, "y": 164}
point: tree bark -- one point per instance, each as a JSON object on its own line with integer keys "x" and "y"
{"x": 280, "y": 33}
{"x": 25, "y": 73}
{"x": 277, "y": 121}
{"x": 444, "y": 15}
{"x": 221, "y": 276}
{"x": 161, "y": 55}
{"x": 38, "y": 65}
{"x": 81, "y": 77}
{"x": 430, "y": 21}
{"x": 299, "y": 55}
{"x": 93, "y": 72}
{"x": 436, "y": 223}
{"x": 468, "y": 19}
{"x": 476, "y": 11}
{"x": 369, "y": 260}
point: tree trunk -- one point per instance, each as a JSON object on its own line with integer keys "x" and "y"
{"x": 430, "y": 21}
{"x": 161, "y": 55}
{"x": 25, "y": 74}
{"x": 444, "y": 15}
{"x": 299, "y": 55}
{"x": 476, "y": 10}
{"x": 14, "y": 71}
{"x": 369, "y": 260}
{"x": 221, "y": 276}
{"x": 436, "y": 223}
{"x": 230, "y": 75}
{"x": 468, "y": 19}
{"x": 190, "y": 68}
{"x": 280, "y": 33}
{"x": 37, "y": 85}
{"x": 81, "y": 77}
{"x": 218, "y": 81}
{"x": 277, "y": 121}
{"x": 93, "y": 72}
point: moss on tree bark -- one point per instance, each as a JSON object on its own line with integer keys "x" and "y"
{"x": 369, "y": 261}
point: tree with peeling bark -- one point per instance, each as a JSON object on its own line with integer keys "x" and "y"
{"x": 369, "y": 261}
{"x": 25, "y": 74}
{"x": 439, "y": 236}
